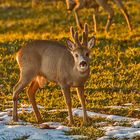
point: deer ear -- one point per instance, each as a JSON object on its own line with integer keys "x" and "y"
{"x": 70, "y": 44}
{"x": 91, "y": 43}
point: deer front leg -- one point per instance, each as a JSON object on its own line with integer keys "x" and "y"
{"x": 66, "y": 92}
{"x": 16, "y": 90}
{"x": 95, "y": 16}
{"x": 110, "y": 16}
{"x": 15, "y": 104}
{"x": 109, "y": 10}
{"x": 124, "y": 12}
{"x": 31, "y": 94}
{"x": 80, "y": 92}
{"x": 77, "y": 20}
{"x": 127, "y": 19}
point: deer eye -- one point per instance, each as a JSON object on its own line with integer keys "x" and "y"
{"x": 87, "y": 54}
{"x": 76, "y": 55}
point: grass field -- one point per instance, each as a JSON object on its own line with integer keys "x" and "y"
{"x": 115, "y": 60}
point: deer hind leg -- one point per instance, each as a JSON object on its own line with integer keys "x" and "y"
{"x": 109, "y": 10}
{"x": 31, "y": 94}
{"x": 80, "y": 92}
{"x": 35, "y": 84}
{"x": 25, "y": 78}
{"x": 66, "y": 92}
{"x": 124, "y": 12}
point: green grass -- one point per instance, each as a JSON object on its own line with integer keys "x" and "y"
{"x": 22, "y": 138}
{"x": 115, "y": 60}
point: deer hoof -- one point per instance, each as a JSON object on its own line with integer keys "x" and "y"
{"x": 86, "y": 122}
{"x": 15, "y": 118}
{"x": 70, "y": 123}
{"x": 45, "y": 126}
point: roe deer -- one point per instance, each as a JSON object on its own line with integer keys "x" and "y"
{"x": 75, "y": 5}
{"x": 42, "y": 60}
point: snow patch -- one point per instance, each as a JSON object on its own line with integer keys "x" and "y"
{"x": 79, "y": 112}
{"x": 128, "y": 104}
{"x": 2, "y": 114}
{"x": 79, "y": 137}
{"x": 20, "y": 129}
{"x": 137, "y": 109}
{"x": 120, "y": 132}
{"x": 118, "y": 107}
{"x": 26, "y": 129}
{"x": 136, "y": 124}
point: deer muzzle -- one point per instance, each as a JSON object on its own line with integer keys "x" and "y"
{"x": 83, "y": 66}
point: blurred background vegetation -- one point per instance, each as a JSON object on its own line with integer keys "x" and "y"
{"x": 115, "y": 60}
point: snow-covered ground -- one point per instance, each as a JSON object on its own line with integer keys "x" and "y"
{"x": 118, "y": 132}
{"x": 78, "y": 112}
{"x": 10, "y": 132}
{"x": 25, "y": 129}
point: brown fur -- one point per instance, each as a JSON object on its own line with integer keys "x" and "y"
{"x": 45, "y": 60}
{"x": 76, "y": 5}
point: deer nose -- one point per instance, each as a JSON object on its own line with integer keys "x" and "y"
{"x": 83, "y": 63}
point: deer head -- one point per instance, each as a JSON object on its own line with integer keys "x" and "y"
{"x": 81, "y": 50}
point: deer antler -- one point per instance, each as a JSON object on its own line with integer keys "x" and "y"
{"x": 85, "y": 35}
{"x": 75, "y": 36}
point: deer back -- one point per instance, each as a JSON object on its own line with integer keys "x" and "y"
{"x": 49, "y": 58}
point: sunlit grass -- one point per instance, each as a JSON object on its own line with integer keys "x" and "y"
{"x": 115, "y": 60}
